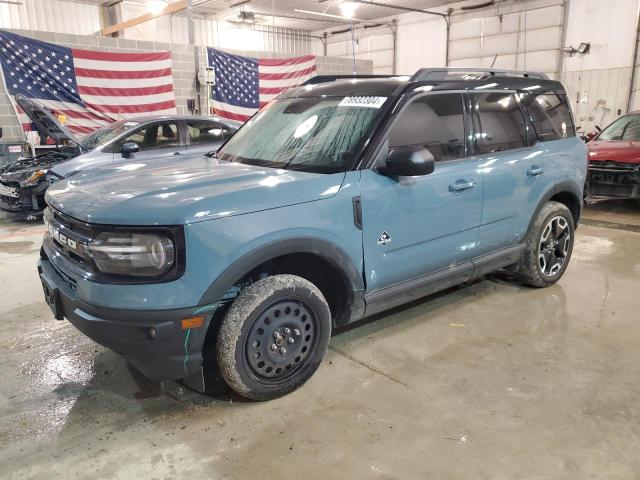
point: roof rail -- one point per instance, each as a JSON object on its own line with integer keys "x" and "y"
{"x": 450, "y": 73}
{"x": 332, "y": 78}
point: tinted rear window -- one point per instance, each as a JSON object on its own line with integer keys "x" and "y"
{"x": 550, "y": 115}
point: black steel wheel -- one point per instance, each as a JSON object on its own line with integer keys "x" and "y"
{"x": 548, "y": 246}
{"x": 280, "y": 339}
{"x": 273, "y": 337}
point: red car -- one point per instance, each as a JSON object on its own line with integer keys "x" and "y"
{"x": 614, "y": 159}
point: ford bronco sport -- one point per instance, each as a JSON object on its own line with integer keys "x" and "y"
{"x": 342, "y": 198}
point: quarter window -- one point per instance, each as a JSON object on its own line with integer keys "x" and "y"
{"x": 435, "y": 122}
{"x": 499, "y": 122}
{"x": 550, "y": 116}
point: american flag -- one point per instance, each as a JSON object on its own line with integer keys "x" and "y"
{"x": 245, "y": 84}
{"x": 90, "y": 88}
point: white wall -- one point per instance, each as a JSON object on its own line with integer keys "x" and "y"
{"x": 599, "y": 82}
{"x": 421, "y": 42}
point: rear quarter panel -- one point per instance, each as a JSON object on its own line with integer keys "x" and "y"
{"x": 568, "y": 172}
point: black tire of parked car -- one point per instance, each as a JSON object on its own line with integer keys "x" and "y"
{"x": 273, "y": 337}
{"x": 530, "y": 270}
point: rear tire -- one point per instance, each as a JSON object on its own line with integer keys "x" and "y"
{"x": 549, "y": 244}
{"x": 273, "y": 337}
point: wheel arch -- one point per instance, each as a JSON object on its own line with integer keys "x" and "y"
{"x": 318, "y": 260}
{"x": 567, "y": 193}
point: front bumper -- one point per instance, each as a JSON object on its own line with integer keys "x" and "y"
{"x": 613, "y": 180}
{"x": 152, "y": 341}
{"x": 29, "y": 200}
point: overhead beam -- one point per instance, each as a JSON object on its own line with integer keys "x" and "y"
{"x": 172, "y": 7}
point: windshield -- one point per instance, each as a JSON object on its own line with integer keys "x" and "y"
{"x": 624, "y": 128}
{"x": 104, "y": 134}
{"x": 323, "y": 135}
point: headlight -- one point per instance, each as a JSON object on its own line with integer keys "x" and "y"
{"x": 137, "y": 254}
{"x": 33, "y": 179}
{"x": 53, "y": 178}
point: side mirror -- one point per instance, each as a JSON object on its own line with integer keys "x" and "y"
{"x": 590, "y": 136}
{"x": 129, "y": 148}
{"x": 409, "y": 161}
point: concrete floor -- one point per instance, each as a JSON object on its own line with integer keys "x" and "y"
{"x": 492, "y": 381}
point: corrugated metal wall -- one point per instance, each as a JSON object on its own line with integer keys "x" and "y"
{"x": 522, "y": 36}
{"x": 61, "y": 16}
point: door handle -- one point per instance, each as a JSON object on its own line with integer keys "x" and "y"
{"x": 535, "y": 170}
{"x": 460, "y": 185}
{"x": 176, "y": 153}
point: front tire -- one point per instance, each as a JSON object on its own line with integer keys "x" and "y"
{"x": 274, "y": 337}
{"x": 549, "y": 244}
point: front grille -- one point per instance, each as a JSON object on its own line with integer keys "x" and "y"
{"x": 614, "y": 167}
{"x": 612, "y": 179}
{"x": 69, "y": 237}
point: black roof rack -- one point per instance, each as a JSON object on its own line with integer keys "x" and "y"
{"x": 332, "y": 78}
{"x": 438, "y": 74}
{"x": 462, "y": 73}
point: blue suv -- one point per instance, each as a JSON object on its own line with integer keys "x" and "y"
{"x": 342, "y": 198}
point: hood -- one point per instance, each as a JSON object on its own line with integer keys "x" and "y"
{"x": 197, "y": 189}
{"x": 614, "y": 151}
{"x": 88, "y": 160}
{"x": 45, "y": 121}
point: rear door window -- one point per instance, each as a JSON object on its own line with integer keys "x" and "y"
{"x": 499, "y": 123}
{"x": 204, "y": 132}
{"x": 435, "y": 122}
{"x": 550, "y": 115}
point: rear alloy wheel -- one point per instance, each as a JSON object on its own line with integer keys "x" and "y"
{"x": 549, "y": 244}
{"x": 273, "y": 337}
{"x": 554, "y": 246}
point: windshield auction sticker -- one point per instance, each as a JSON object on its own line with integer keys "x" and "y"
{"x": 371, "y": 102}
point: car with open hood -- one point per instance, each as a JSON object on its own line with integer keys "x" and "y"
{"x": 340, "y": 199}
{"x": 23, "y": 183}
{"x": 614, "y": 160}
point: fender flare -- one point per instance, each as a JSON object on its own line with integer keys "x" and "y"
{"x": 324, "y": 249}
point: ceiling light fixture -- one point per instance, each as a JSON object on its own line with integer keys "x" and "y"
{"x": 348, "y": 9}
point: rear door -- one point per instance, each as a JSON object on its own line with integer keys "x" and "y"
{"x": 511, "y": 163}
{"x": 414, "y": 226}
{"x": 206, "y": 135}
{"x": 156, "y": 140}
{"x": 515, "y": 143}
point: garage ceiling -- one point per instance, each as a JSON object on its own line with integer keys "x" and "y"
{"x": 287, "y": 16}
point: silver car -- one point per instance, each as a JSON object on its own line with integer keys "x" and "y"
{"x": 146, "y": 138}
{"x": 24, "y": 181}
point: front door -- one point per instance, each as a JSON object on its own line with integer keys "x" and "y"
{"x": 413, "y": 226}
{"x": 156, "y": 140}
